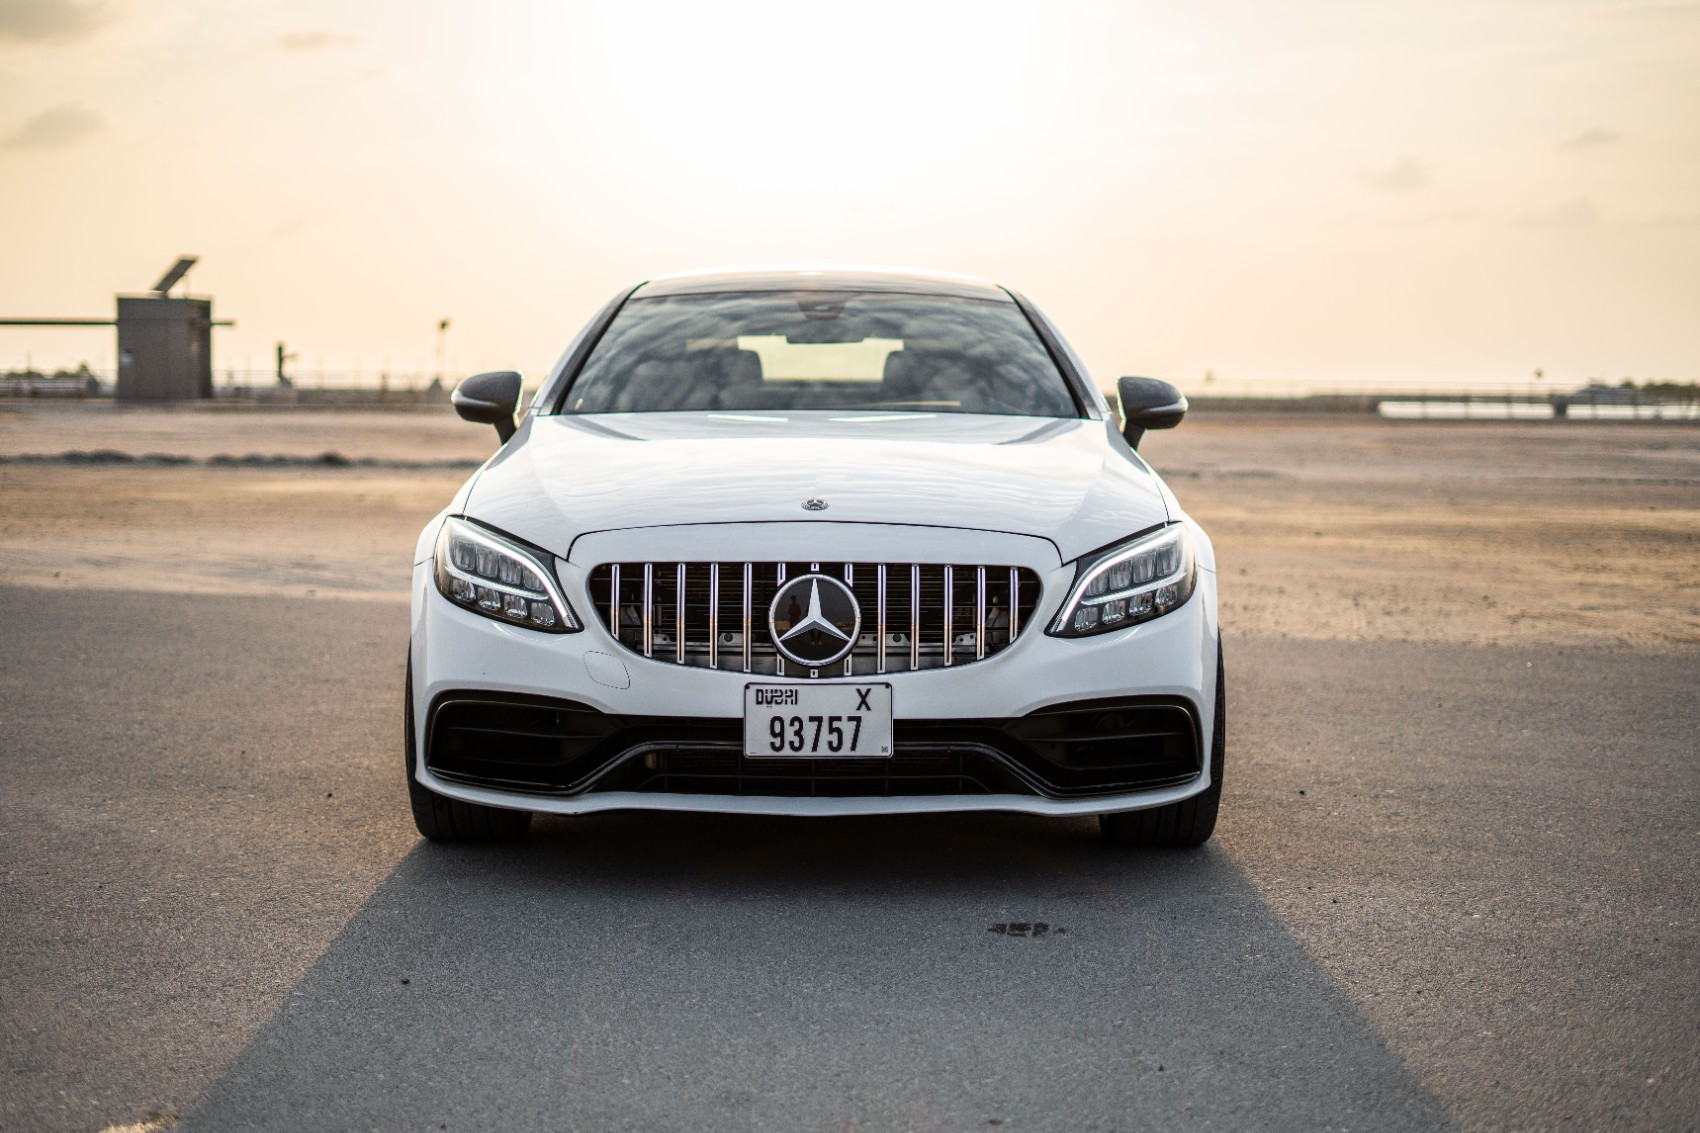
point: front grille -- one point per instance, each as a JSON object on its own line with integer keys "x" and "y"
{"x": 914, "y": 615}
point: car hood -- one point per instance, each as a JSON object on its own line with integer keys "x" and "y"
{"x": 561, "y": 477}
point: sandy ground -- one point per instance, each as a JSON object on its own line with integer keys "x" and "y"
{"x": 207, "y": 431}
{"x": 1338, "y": 528}
{"x": 1471, "y": 533}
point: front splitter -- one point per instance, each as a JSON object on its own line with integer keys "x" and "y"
{"x": 815, "y": 807}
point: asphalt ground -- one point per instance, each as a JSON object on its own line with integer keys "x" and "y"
{"x": 1453, "y": 885}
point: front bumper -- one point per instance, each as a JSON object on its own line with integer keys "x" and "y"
{"x": 662, "y": 725}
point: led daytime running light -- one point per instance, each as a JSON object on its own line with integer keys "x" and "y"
{"x": 1130, "y": 584}
{"x": 480, "y": 571}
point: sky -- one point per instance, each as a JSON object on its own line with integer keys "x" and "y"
{"x": 1317, "y": 192}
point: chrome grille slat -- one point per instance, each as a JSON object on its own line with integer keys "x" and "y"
{"x": 979, "y": 613}
{"x": 679, "y": 616}
{"x": 676, "y": 612}
{"x": 949, "y": 615}
{"x": 1014, "y": 602}
{"x": 749, "y": 587}
{"x": 879, "y": 644}
{"x": 914, "y": 616}
{"x": 648, "y": 608}
{"x": 714, "y": 615}
{"x": 778, "y": 661}
{"x": 850, "y": 581}
{"x": 614, "y": 602}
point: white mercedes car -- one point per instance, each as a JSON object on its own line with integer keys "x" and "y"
{"x": 816, "y": 543}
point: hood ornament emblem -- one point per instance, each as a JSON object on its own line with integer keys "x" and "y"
{"x": 814, "y": 504}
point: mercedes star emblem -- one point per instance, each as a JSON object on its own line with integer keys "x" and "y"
{"x": 814, "y": 620}
{"x": 814, "y": 505}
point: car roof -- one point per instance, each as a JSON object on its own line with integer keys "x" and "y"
{"x": 805, "y": 277}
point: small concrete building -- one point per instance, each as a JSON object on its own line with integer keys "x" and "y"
{"x": 164, "y": 348}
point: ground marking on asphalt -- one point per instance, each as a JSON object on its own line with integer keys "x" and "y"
{"x": 1025, "y": 928}
{"x": 147, "y": 1125}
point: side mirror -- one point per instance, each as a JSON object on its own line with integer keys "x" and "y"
{"x": 489, "y": 399}
{"x": 1147, "y": 403}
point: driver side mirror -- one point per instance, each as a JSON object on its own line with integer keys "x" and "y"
{"x": 1148, "y": 403}
{"x": 489, "y": 399}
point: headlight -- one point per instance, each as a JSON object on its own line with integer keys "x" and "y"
{"x": 500, "y": 578}
{"x": 1128, "y": 584}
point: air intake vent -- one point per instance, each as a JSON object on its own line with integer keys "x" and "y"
{"x": 913, "y": 615}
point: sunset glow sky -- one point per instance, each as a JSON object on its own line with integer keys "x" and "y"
{"x": 1320, "y": 191}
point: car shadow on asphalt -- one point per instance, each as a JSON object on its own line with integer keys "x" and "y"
{"x": 662, "y": 971}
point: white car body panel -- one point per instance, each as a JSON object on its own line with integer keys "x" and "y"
{"x": 1060, "y": 480}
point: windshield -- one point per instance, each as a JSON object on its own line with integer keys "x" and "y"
{"x": 821, "y": 350}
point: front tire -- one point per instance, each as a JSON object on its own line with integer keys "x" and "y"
{"x": 442, "y": 819}
{"x": 1189, "y": 822}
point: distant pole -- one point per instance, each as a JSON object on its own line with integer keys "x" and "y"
{"x": 442, "y": 341}
{"x": 282, "y": 358}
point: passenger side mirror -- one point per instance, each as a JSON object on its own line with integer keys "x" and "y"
{"x": 490, "y": 399}
{"x": 1148, "y": 403}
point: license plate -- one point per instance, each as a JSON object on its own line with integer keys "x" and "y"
{"x": 817, "y": 721}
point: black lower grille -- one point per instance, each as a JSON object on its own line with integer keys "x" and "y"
{"x": 520, "y": 743}
{"x": 730, "y": 773}
{"x": 558, "y": 747}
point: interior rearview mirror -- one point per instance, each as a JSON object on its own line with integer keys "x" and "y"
{"x": 490, "y": 399}
{"x": 1148, "y": 403}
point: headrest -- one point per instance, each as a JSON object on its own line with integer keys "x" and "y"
{"x": 741, "y": 367}
{"x": 902, "y": 374}
{"x": 720, "y": 366}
